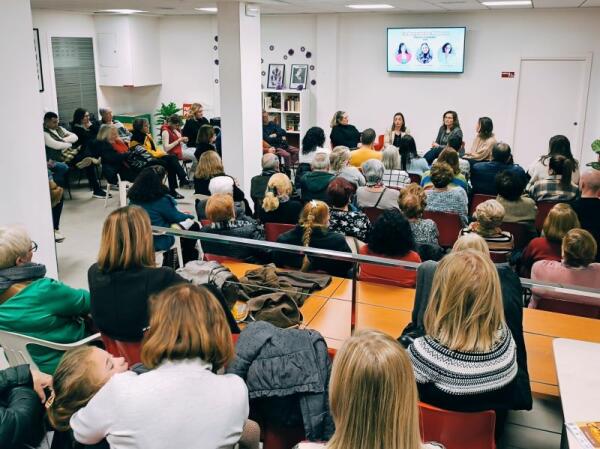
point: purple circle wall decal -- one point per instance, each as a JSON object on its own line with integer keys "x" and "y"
{"x": 302, "y": 49}
{"x": 215, "y": 48}
{"x": 262, "y": 60}
{"x": 216, "y": 38}
{"x": 290, "y": 52}
{"x": 263, "y": 73}
{"x": 271, "y": 47}
{"x": 217, "y": 81}
{"x": 312, "y": 67}
{"x": 313, "y": 82}
{"x": 308, "y": 54}
{"x": 216, "y": 62}
{"x": 284, "y": 56}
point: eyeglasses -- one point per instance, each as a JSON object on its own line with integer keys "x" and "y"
{"x": 34, "y": 247}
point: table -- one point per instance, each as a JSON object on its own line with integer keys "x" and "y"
{"x": 578, "y": 368}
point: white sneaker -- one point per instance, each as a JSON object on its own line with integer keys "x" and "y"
{"x": 58, "y": 237}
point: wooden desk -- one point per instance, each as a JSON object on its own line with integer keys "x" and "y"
{"x": 375, "y": 294}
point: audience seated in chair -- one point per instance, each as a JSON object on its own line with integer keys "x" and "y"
{"x": 83, "y": 129}
{"x": 312, "y": 231}
{"x": 442, "y": 198}
{"x": 342, "y": 133}
{"x": 351, "y": 223}
{"x": 450, "y": 157}
{"x": 106, "y": 118}
{"x": 276, "y": 137}
{"x": 205, "y": 141}
{"x": 313, "y": 185}
{"x": 557, "y": 185}
{"x": 34, "y": 305}
{"x": 579, "y": 250}
{"x": 483, "y": 174}
{"x": 393, "y": 176}
{"x": 450, "y": 128}
{"x": 172, "y": 140}
{"x": 114, "y": 154}
{"x": 339, "y": 158}
{"x": 313, "y": 143}
{"x": 481, "y": 149}
{"x": 518, "y": 208}
{"x": 210, "y": 166}
{"x": 375, "y": 193}
{"x": 277, "y": 205}
{"x": 560, "y": 220}
{"x": 489, "y": 216}
{"x": 391, "y": 238}
{"x": 412, "y": 202}
{"x": 225, "y": 184}
{"x": 558, "y": 146}
{"x": 56, "y": 202}
{"x": 587, "y": 206}
{"x": 125, "y": 275}
{"x": 366, "y": 150}
{"x": 258, "y": 184}
{"x": 410, "y": 161}
{"x": 373, "y": 398}
{"x": 396, "y": 132}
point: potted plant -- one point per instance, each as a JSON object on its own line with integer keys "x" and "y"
{"x": 163, "y": 113}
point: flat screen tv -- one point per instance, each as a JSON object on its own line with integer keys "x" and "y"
{"x": 426, "y": 50}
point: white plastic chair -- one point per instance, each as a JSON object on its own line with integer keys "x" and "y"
{"x": 177, "y": 246}
{"x": 15, "y": 346}
{"x": 122, "y": 187}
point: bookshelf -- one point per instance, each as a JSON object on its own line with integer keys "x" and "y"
{"x": 289, "y": 109}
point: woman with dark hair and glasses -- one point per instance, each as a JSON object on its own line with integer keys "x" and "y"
{"x": 450, "y": 127}
{"x": 558, "y": 146}
{"x": 82, "y": 127}
{"x": 481, "y": 150}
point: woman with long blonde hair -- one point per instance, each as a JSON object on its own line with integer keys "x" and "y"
{"x": 313, "y": 230}
{"x": 373, "y": 397}
{"x": 277, "y": 205}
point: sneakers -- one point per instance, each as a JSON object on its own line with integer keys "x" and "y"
{"x": 58, "y": 237}
{"x": 85, "y": 162}
{"x": 175, "y": 194}
{"x": 101, "y": 194}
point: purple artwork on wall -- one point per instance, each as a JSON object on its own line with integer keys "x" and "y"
{"x": 302, "y": 49}
{"x": 284, "y": 56}
{"x": 216, "y": 38}
{"x": 312, "y": 67}
{"x": 215, "y": 48}
{"x": 216, "y": 62}
{"x": 271, "y": 47}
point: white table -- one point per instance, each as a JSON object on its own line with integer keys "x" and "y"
{"x": 578, "y": 370}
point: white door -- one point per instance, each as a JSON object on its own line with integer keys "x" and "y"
{"x": 552, "y": 100}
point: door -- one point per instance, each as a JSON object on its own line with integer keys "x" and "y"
{"x": 552, "y": 100}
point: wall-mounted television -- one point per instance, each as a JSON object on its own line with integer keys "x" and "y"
{"x": 426, "y": 50}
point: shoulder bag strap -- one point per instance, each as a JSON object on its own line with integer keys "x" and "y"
{"x": 380, "y": 196}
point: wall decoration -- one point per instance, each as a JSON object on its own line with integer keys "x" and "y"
{"x": 216, "y": 38}
{"x": 284, "y": 56}
{"x": 312, "y": 67}
{"x": 263, "y": 73}
{"x": 216, "y": 62}
{"x": 38, "y": 58}
{"x": 216, "y": 81}
{"x": 313, "y": 82}
{"x": 299, "y": 76}
{"x": 276, "y": 79}
{"x": 271, "y": 47}
{"x": 308, "y": 54}
{"x": 215, "y": 48}
{"x": 291, "y": 52}
{"x": 302, "y": 49}
{"x": 262, "y": 60}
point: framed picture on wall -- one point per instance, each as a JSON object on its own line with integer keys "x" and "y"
{"x": 38, "y": 58}
{"x": 299, "y": 76}
{"x": 276, "y": 76}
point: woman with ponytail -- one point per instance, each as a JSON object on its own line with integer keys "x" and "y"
{"x": 313, "y": 230}
{"x": 557, "y": 186}
{"x": 558, "y": 146}
{"x": 277, "y": 207}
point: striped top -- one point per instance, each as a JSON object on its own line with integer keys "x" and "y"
{"x": 502, "y": 242}
{"x": 462, "y": 373}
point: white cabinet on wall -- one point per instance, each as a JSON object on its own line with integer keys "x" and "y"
{"x": 128, "y": 50}
{"x": 289, "y": 109}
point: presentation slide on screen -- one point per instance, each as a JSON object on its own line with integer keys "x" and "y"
{"x": 426, "y": 50}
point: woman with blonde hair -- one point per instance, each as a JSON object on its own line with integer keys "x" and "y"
{"x": 313, "y": 230}
{"x": 342, "y": 133}
{"x": 373, "y": 397}
{"x": 114, "y": 153}
{"x": 412, "y": 202}
{"x": 560, "y": 220}
{"x": 339, "y": 160}
{"x": 489, "y": 216}
{"x": 126, "y": 275}
{"x": 277, "y": 206}
{"x": 193, "y": 121}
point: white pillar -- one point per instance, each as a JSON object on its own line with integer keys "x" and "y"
{"x": 25, "y": 197}
{"x": 327, "y": 69}
{"x": 240, "y": 92}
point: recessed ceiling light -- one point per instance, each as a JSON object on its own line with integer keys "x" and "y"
{"x": 122, "y": 11}
{"x": 206, "y": 9}
{"x": 370, "y": 6}
{"x": 508, "y": 3}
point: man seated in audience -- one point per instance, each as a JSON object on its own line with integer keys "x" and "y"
{"x": 313, "y": 185}
{"x": 106, "y": 118}
{"x": 483, "y": 174}
{"x": 258, "y": 184}
{"x": 588, "y": 205}
{"x": 367, "y": 150}
{"x": 275, "y": 136}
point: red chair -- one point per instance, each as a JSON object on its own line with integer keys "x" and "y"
{"x": 131, "y": 351}
{"x": 477, "y": 199}
{"x": 379, "y": 145}
{"x": 544, "y": 208}
{"x": 220, "y": 259}
{"x": 274, "y": 230}
{"x": 456, "y": 430}
{"x": 499, "y": 256}
{"x": 449, "y": 226}
{"x": 414, "y": 177}
{"x": 205, "y": 222}
{"x": 521, "y": 233}
{"x": 373, "y": 213}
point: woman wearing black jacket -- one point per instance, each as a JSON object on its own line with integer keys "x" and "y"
{"x": 343, "y": 134}
{"x": 113, "y": 162}
{"x": 82, "y": 127}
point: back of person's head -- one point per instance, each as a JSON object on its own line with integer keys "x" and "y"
{"x": 502, "y": 153}
{"x": 391, "y": 158}
{"x": 441, "y": 174}
{"x": 408, "y": 151}
{"x": 221, "y": 184}
{"x": 174, "y": 120}
{"x": 412, "y": 201}
{"x": 186, "y": 322}
{"x": 486, "y": 127}
{"x": 126, "y": 240}
{"x": 559, "y": 145}
{"x": 373, "y": 171}
{"x": 148, "y": 185}
{"x": 105, "y": 131}
{"x": 489, "y": 216}
{"x": 560, "y": 165}
{"x": 279, "y": 186}
{"x": 373, "y": 395}
{"x": 450, "y": 157}
{"x": 367, "y": 137}
{"x": 209, "y": 165}
{"x": 78, "y": 116}
{"x": 391, "y": 235}
{"x": 560, "y": 220}
{"x": 471, "y": 241}
{"x": 269, "y": 162}
{"x": 510, "y": 185}
{"x": 339, "y": 192}
{"x": 589, "y": 183}
{"x": 579, "y": 248}
{"x": 50, "y": 116}
{"x": 465, "y": 305}
{"x": 205, "y": 134}
{"x": 315, "y": 214}
{"x": 320, "y": 162}
{"x": 15, "y": 243}
{"x": 337, "y": 118}
{"x": 313, "y": 139}
{"x": 454, "y": 141}
{"x": 339, "y": 158}
{"x": 220, "y": 208}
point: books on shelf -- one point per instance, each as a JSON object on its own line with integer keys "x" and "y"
{"x": 586, "y": 433}
{"x": 292, "y": 104}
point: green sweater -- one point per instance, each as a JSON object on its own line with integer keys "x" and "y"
{"x": 49, "y": 310}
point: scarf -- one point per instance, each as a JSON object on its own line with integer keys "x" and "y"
{"x": 18, "y": 273}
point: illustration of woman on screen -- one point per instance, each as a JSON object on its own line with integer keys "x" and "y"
{"x": 446, "y": 54}
{"x": 403, "y": 56}
{"x": 424, "y": 56}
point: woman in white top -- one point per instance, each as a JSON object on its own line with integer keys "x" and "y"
{"x": 312, "y": 143}
{"x": 397, "y": 131}
{"x": 393, "y": 176}
{"x": 338, "y": 160}
{"x": 373, "y": 396}
{"x": 180, "y": 402}
{"x": 559, "y": 146}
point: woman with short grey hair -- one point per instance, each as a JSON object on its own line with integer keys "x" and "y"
{"x": 375, "y": 193}
{"x": 338, "y": 159}
{"x": 393, "y": 176}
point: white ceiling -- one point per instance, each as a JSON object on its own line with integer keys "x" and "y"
{"x": 178, "y": 7}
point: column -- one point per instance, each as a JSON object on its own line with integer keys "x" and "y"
{"x": 240, "y": 91}
{"x": 25, "y": 197}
